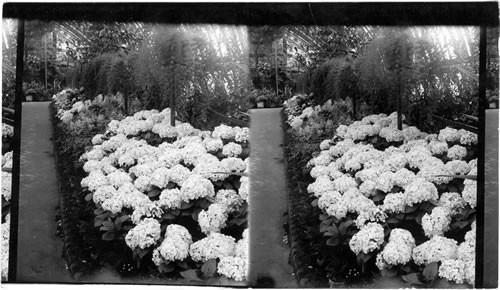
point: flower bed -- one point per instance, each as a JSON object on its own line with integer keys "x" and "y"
{"x": 6, "y": 194}
{"x": 390, "y": 202}
{"x": 7, "y": 138}
{"x": 174, "y": 198}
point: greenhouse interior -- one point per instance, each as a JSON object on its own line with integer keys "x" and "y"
{"x": 316, "y": 156}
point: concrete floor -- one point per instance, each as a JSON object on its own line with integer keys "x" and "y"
{"x": 268, "y": 202}
{"x": 38, "y": 249}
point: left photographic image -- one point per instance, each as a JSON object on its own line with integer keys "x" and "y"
{"x": 134, "y": 153}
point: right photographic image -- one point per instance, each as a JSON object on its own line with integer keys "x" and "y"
{"x": 381, "y": 142}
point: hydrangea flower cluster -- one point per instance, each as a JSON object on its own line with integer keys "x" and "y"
{"x": 398, "y": 250}
{"x": 4, "y": 244}
{"x": 127, "y": 172}
{"x": 402, "y": 169}
{"x": 7, "y": 131}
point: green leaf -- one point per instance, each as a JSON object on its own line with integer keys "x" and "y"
{"x": 392, "y": 220}
{"x": 410, "y": 209}
{"x": 333, "y": 241}
{"x": 459, "y": 224}
{"x": 365, "y": 257}
{"x": 190, "y": 275}
{"x": 186, "y": 205}
{"x": 89, "y": 196}
{"x": 98, "y": 211}
{"x": 430, "y": 271}
{"x": 141, "y": 252}
{"x": 120, "y": 220}
{"x": 209, "y": 268}
{"x": 412, "y": 279}
{"x": 166, "y": 268}
{"x": 314, "y": 203}
{"x": 154, "y": 192}
{"x": 108, "y": 236}
{"x": 98, "y": 221}
{"x": 107, "y": 226}
{"x": 378, "y": 197}
{"x": 168, "y": 216}
{"x": 344, "y": 225}
{"x": 388, "y": 272}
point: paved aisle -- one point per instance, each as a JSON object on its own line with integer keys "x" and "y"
{"x": 38, "y": 249}
{"x": 268, "y": 200}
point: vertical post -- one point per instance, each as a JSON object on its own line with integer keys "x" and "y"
{"x": 481, "y": 245}
{"x": 401, "y": 80}
{"x": 172, "y": 102}
{"x": 46, "y": 72}
{"x": 276, "y": 67}
{"x": 14, "y": 206}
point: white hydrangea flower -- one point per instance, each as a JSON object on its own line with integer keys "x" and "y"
{"x": 143, "y": 183}
{"x": 232, "y": 149}
{"x": 196, "y": 187}
{"x": 417, "y": 156}
{"x": 403, "y": 177}
{"x": 467, "y": 138}
{"x": 449, "y": 135}
{"x": 148, "y": 209}
{"x": 344, "y": 183}
{"x": 453, "y": 201}
{"x": 438, "y": 147}
{"x": 411, "y": 133}
{"x": 420, "y": 190}
{"x": 98, "y": 139}
{"x": 452, "y": 270}
{"x": 396, "y": 161}
{"x": 436, "y": 223}
{"x": 118, "y": 178}
{"x": 457, "y": 152}
{"x": 369, "y": 212}
{"x": 97, "y": 153}
{"x": 229, "y": 198}
{"x": 385, "y": 182}
{"x": 4, "y": 246}
{"x": 223, "y": 132}
{"x": 244, "y": 188}
{"x": 328, "y": 199}
{"x": 391, "y": 134}
{"x": 436, "y": 249}
{"x": 398, "y": 250}
{"x": 113, "y": 204}
{"x": 394, "y": 203}
{"x": 325, "y": 144}
{"x": 213, "y": 144}
{"x": 467, "y": 249}
{"x": 185, "y": 129}
{"x": 7, "y": 159}
{"x": 458, "y": 167}
{"x": 241, "y": 135}
{"x": 175, "y": 246}
{"x": 470, "y": 192}
{"x": 191, "y": 152}
{"x": 368, "y": 239}
{"x": 207, "y": 169}
{"x": 368, "y": 188}
{"x": 321, "y": 185}
{"x": 233, "y": 164}
{"x": 371, "y": 173}
{"x": 94, "y": 180}
{"x": 178, "y": 174}
{"x": 6, "y": 185}
{"x": 145, "y": 169}
{"x": 213, "y": 219}
{"x": 317, "y": 171}
{"x": 233, "y": 267}
{"x": 430, "y": 171}
{"x": 341, "y": 130}
{"x": 340, "y": 148}
{"x": 144, "y": 235}
{"x": 215, "y": 245}
{"x": 170, "y": 157}
{"x": 103, "y": 193}
{"x": 170, "y": 198}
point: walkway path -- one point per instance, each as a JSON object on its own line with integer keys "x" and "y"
{"x": 38, "y": 249}
{"x": 268, "y": 202}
